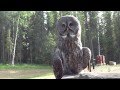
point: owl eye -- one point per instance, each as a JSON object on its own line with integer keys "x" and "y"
{"x": 70, "y": 24}
{"x": 63, "y": 25}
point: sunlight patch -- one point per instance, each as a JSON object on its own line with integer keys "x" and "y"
{"x": 13, "y": 71}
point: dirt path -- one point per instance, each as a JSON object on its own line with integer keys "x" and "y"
{"x": 45, "y": 77}
{"x": 21, "y": 74}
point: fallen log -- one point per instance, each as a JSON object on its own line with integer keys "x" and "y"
{"x": 90, "y": 75}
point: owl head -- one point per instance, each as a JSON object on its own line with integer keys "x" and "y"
{"x": 68, "y": 27}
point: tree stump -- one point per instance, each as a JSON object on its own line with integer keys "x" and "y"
{"x": 90, "y": 75}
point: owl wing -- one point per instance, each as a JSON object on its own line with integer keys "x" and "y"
{"x": 86, "y": 58}
{"x": 57, "y": 64}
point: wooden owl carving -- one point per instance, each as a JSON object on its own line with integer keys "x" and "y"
{"x": 69, "y": 56}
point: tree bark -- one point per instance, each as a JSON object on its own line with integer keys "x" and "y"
{"x": 98, "y": 43}
{"x": 91, "y": 75}
{"x": 3, "y": 45}
{"x": 15, "y": 43}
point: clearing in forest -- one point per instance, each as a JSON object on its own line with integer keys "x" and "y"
{"x": 26, "y": 71}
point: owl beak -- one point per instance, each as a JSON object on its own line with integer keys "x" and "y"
{"x": 67, "y": 29}
{"x": 68, "y": 35}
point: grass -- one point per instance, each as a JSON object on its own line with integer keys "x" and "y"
{"x": 23, "y": 66}
{"x": 30, "y": 71}
{"x": 24, "y": 71}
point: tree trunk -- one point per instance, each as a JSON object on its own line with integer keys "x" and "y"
{"x": 14, "y": 48}
{"x": 98, "y": 44}
{"x": 3, "y": 45}
{"x": 31, "y": 54}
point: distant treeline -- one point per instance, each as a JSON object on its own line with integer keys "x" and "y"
{"x": 30, "y": 36}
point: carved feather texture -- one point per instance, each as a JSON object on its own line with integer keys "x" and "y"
{"x": 70, "y": 57}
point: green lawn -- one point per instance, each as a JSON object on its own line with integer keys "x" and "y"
{"x": 23, "y": 66}
{"x": 27, "y": 71}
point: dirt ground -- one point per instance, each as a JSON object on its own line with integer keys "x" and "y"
{"x": 113, "y": 70}
{"x": 107, "y": 68}
{"x": 21, "y": 74}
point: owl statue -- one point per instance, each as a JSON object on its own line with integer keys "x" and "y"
{"x": 69, "y": 56}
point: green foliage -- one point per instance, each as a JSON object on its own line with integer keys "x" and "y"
{"x": 37, "y": 34}
{"x": 51, "y": 43}
{"x": 25, "y": 17}
{"x": 109, "y": 39}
